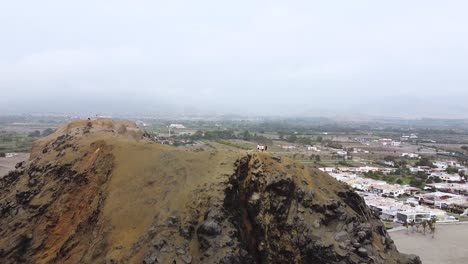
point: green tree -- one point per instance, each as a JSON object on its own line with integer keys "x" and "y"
{"x": 421, "y": 175}
{"x": 280, "y": 135}
{"x": 197, "y": 135}
{"x": 35, "y": 133}
{"x": 425, "y": 162}
{"x": 47, "y": 132}
{"x": 246, "y": 135}
{"x": 317, "y": 158}
{"x": 399, "y": 181}
{"x": 304, "y": 140}
{"x": 451, "y": 170}
{"x": 292, "y": 138}
{"x": 417, "y": 183}
{"x": 389, "y": 158}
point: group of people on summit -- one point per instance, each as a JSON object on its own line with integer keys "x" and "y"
{"x": 261, "y": 148}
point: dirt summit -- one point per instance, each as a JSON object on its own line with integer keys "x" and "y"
{"x": 103, "y": 192}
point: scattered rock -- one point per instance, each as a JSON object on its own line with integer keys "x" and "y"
{"x": 362, "y": 252}
{"x": 187, "y": 259}
{"x": 151, "y": 259}
{"x": 341, "y": 236}
{"x": 209, "y": 228}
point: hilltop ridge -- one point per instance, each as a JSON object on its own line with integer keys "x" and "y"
{"x": 99, "y": 191}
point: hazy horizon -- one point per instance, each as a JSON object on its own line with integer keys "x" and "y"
{"x": 272, "y": 58}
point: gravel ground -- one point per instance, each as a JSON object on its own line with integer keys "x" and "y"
{"x": 448, "y": 246}
{"x": 8, "y": 164}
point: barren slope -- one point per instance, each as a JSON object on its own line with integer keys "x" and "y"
{"x": 103, "y": 192}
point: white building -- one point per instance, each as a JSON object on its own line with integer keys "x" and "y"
{"x": 366, "y": 169}
{"x": 341, "y": 153}
{"x": 409, "y": 216}
{"x": 389, "y": 163}
{"x": 390, "y": 208}
{"x": 410, "y": 155}
{"x": 441, "y": 165}
{"x": 313, "y": 148}
{"x": 447, "y": 177}
{"x": 178, "y": 126}
{"x": 451, "y": 177}
{"x": 140, "y": 123}
{"x": 290, "y": 147}
{"x": 328, "y": 169}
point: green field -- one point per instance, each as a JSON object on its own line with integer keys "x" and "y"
{"x": 234, "y": 144}
{"x": 15, "y": 142}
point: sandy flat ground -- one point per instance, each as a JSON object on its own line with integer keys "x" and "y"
{"x": 8, "y": 164}
{"x": 449, "y": 245}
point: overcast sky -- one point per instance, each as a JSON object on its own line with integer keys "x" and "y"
{"x": 394, "y": 58}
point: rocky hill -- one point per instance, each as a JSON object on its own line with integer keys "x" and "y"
{"x": 102, "y": 192}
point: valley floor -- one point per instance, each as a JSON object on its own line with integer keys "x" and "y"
{"x": 448, "y": 245}
{"x": 8, "y": 164}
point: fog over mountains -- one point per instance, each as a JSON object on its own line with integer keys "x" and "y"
{"x": 406, "y": 59}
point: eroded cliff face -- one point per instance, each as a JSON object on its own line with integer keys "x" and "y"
{"x": 286, "y": 214}
{"x": 50, "y": 209}
{"x": 102, "y": 192}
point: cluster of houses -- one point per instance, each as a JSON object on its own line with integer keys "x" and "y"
{"x": 402, "y": 211}
{"x": 362, "y": 169}
{"x": 412, "y": 203}
{"x": 11, "y": 155}
{"x": 439, "y": 170}
{"x": 287, "y": 147}
{"x": 410, "y": 155}
{"x": 409, "y": 137}
{"x": 455, "y": 188}
{"x": 312, "y": 148}
{"x": 370, "y": 186}
{"x": 389, "y": 142}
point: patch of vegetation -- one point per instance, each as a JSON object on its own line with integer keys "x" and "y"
{"x": 232, "y": 144}
{"x": 399, "y": 163}
{"x": 418, "y": 183}
{"x": 390, "y": 178}
{"x": 47, "y": 132}
{"x": 451, "y": 170}
{"x": 345, "y": 163}
{"x": 334, "y": 145}
{"x": 213, "y": 135}
{"x": 425, "y": 162}
{"x": 13, "y": 142}
{"x": 35, "y": 134}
